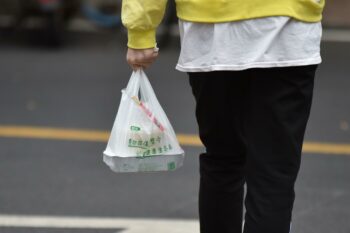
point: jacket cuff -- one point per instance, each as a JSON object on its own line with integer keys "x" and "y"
{"x": 141, "y": 39}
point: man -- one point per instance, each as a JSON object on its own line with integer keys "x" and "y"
{"x": 251, "y": 66}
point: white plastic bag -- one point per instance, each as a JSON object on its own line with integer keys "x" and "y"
{"x": 142, "y": 138}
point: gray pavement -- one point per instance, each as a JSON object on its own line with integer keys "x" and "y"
{"x": 79, "y": 86}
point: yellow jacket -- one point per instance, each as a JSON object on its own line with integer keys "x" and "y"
{"x": 142, "y": 17}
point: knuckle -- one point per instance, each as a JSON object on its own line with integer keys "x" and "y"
{"x": 148, "y": 53}
{"x": 139, "y": 58}
{"x": 132, "y": 60}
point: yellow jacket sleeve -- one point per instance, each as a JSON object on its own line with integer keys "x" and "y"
{"x": 141, "y": 18}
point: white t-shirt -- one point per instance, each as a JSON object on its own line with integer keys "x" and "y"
{"x": 264, "y": 42}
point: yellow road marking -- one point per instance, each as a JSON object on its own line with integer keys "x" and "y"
{"x": 326, "y": 148}
{"x": 53, "y": 133}
{"x": 14, "y": 131}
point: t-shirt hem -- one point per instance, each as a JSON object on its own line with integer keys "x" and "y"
{"x": 217, "y": 67}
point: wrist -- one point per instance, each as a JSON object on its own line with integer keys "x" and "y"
{"x": 141, "y": 39}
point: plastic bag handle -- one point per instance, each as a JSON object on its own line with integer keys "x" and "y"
{"x": 133, "y": 86}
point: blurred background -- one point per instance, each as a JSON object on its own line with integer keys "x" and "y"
{"x": 62, "y": 66}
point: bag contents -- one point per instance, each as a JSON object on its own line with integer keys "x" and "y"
{"x": 142, "y": 138}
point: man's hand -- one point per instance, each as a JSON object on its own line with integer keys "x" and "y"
{"x": 141, "y": 58}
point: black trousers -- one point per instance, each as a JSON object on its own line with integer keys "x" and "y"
{"x": 252, "y": 124}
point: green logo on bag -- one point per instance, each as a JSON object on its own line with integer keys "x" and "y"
{"x": 135, "y": 128}
{"x": 171, "y": 166}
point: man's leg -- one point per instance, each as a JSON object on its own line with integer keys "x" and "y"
{"x": 220, "y": 99}
{"x": 279, "y": 106}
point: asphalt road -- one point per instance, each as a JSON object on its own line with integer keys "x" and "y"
{"x": 79, "y": 86}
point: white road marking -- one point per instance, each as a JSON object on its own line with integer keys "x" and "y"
{"x": 129, "y": 225}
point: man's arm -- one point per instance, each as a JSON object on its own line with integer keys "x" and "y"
{"x": 141, "y": 18}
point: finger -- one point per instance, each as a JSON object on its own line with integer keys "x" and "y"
{"x": 144, "y": 64}
{"x": 152, "y": 54}
{"x": 146, "y": 59}
{"x": 136, "y": 67}
{"x": 149, "y": 59}
{"x": 149, "y": 53}
{"x": 131, "y": 61}
{"x": 155, "y": 54}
